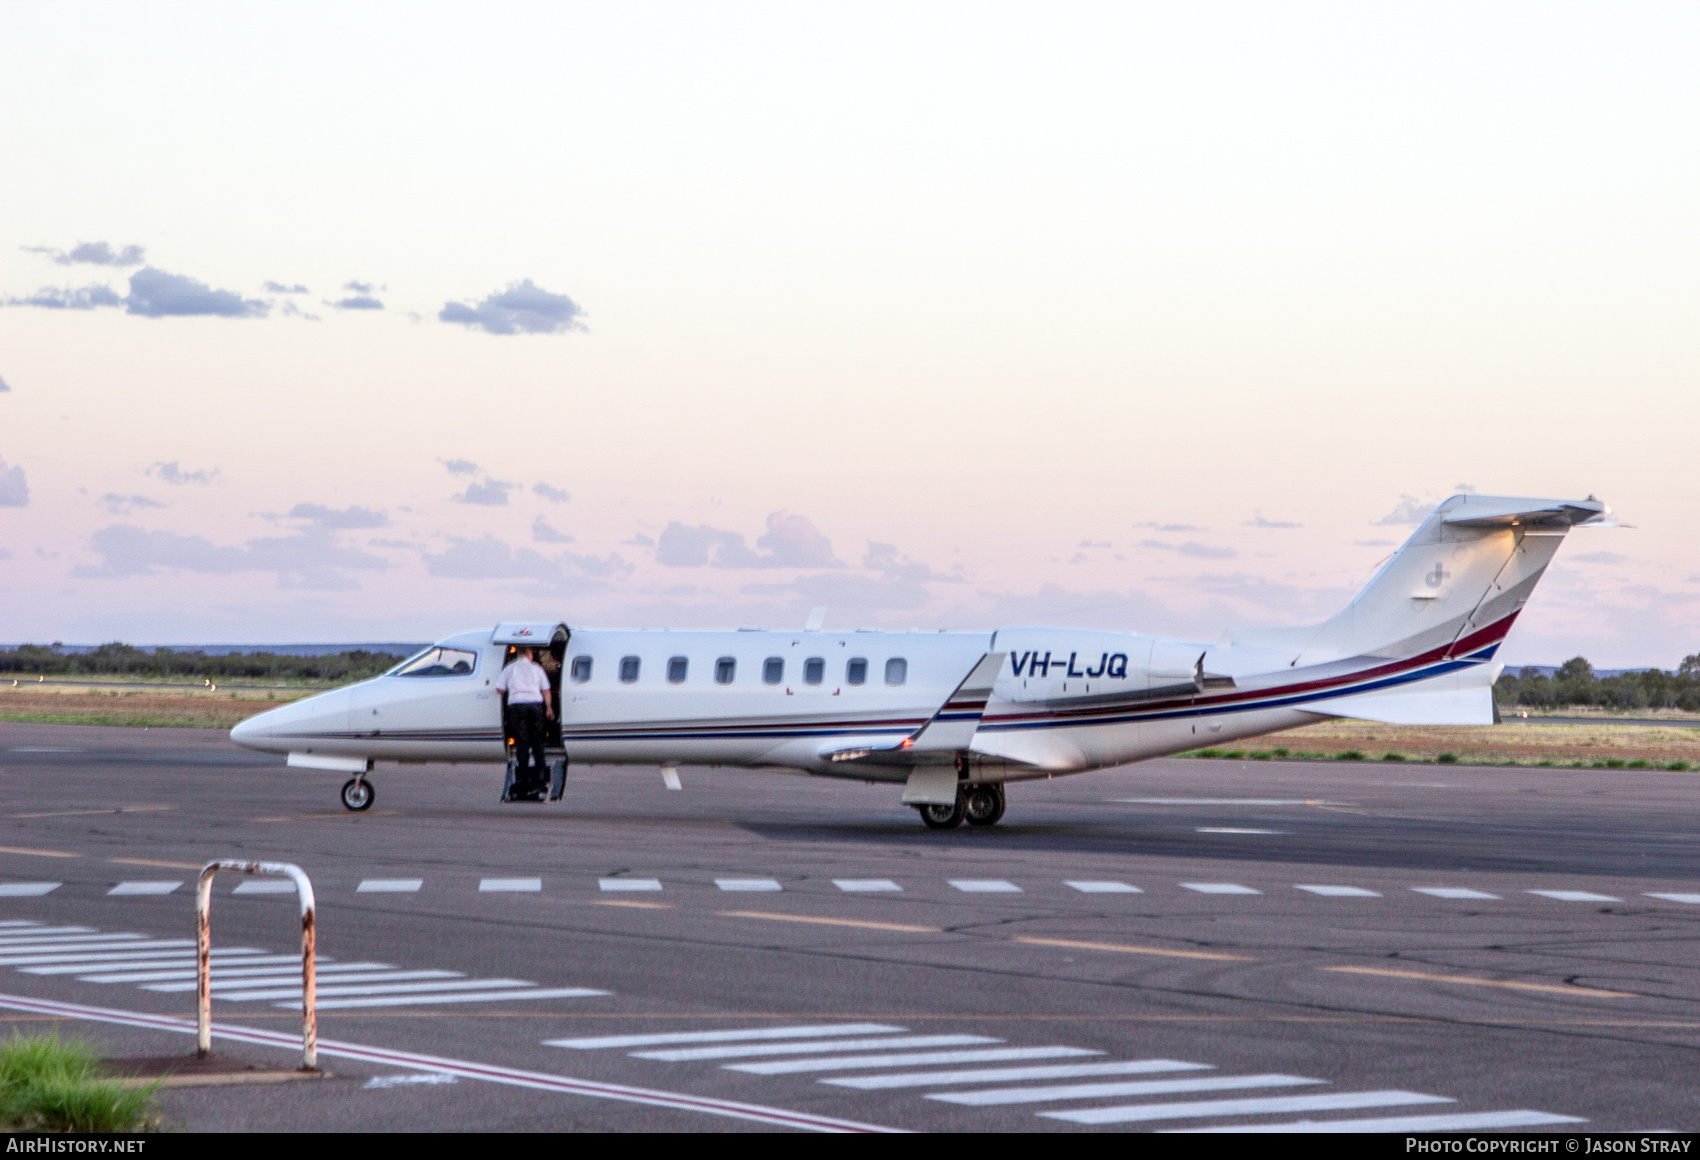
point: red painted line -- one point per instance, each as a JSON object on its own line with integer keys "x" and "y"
{"x": 491, "y": 1073}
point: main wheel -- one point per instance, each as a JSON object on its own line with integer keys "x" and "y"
{"x": 357, "y": 794}
{"x": 943, "y": 817}
{"x": 983, "y": 805}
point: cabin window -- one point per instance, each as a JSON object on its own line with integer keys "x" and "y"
{"x": 773, "y": 670}
{"x": 856, "y": 672}
{"x": 896, "y": 671}
{"x": 813, "y": 670}
{"x": 676, "y": 670}
{"x": 724, "y": 670}
{"x": 581, "y": 669}
{"x": 438, "y": 662}
{"x": 629, "y": 670}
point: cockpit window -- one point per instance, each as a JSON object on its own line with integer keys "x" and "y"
{"x": 438, "y": 662}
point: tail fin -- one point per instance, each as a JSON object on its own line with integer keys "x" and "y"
{"x": 1456, "y": 585}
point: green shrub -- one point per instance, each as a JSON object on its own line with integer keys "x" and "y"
{"x": 1393, "y": 757}
{"x": 49, "y": 1086}
{"x": 1614, "y": 763}
{"x": 1349, "y": 755}
{"x": 1640, "y": 764}
{"x": 1280, "y": 751}
{"x": 1677, "y": 766}
{"x": 1448, "y": 759}
{"x": 1236, "y": 754}
{"x": 1258, "y": 755}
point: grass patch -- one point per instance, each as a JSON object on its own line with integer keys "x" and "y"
{"x": 1393, "y": 757}
{"x": 1677, "y": 766}
{"x": 50, "y": 1086}
{"x": 1448, "y": 759}
{"x": 1615, "y": 763}
{"x": 1349, "y": 755}
{"x": 1258, "y": 755}
{"x": 1280, "y": 751}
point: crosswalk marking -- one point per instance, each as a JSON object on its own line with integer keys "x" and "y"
{"x": 389, "y": 885}
{"x": 1691, "y": 899}
{"x": 1012, "y": 1074}
{"x": 1454, "y": 892}
{"x": 275, "y": 965}
{"x": 1339, "y": 891}
{"x": 1272, "y": 1105}
{"x": 998, "y": 1097}
{"x": 816, "y": 1031}
{"x": 865, "y": 885}
{"x": 811, "y": 1047}
{"x": 48, "y": 942}
{"x": 748, "y": 884}
{"x": 27, "y": 889}
{"x": 71, "y": 964}
{"x": 510, "y": 885}
{"x": 264, "y": 886}
{"x": 985, "y": 886}
{"x": 41, "y": 932}
{"x": 376, "y": 989}
{"x": 1456, "y": 1122}
{"x": 628, "y": 883}
{"x": 1574, "y": 896}
{"x": 528, "y": 994}
{"x": 87, "y": 954}
{"x": 220, "y": 985}
{"x": 1104, "y": 888}
{"x": 1219, "y": 888}
{"x": 144, "y": 888}
{"x": 907, "y": 1059}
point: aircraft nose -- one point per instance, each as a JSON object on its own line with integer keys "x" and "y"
{"x": 249, "y": 733}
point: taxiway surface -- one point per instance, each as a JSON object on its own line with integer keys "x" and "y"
{"x": 1182, "y": 944}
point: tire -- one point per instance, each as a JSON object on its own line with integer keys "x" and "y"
{"x": 983, "y": 805}
{"x": 942, "y": 817}
{"x": 357, "y": 794}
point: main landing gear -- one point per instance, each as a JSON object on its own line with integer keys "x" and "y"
{"x": 357, "y": 793}
{"x": 978, "y": 805}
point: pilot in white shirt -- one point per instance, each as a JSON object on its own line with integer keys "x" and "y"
{"x": 527, "y": 687}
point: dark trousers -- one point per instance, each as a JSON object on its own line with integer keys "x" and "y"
{"x": 525, "y": 726}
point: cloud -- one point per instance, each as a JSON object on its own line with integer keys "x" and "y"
{"x": 1375, "y": 543}
{"x": 173, "y": 474}
{"x": 488, "y": 493}
{"x": 408, "y": 545}
{"x": 523, "y": 308}
{"x": 360, "y": 302}
{"x": 792, "y": 541}
{"x": 1599, "y": 558}
{"x": 4, "y": 387}
{"x": 358, "y": 287}
{"x": 280, "y": 288}
{"x": 123, "y": 504}
{"x": 349, "y": 517}
{"x": 460, "y": 466}
{"x": 290, "y": 310}
{"x": 1192, "y": 548}
{"x": 14, "y": 488}
{"x": 1467, "y": 489}
{"x": 544, "y": 534}
{"x": 1094, "y": 544}
{"x": 1409, "y": 510}
{"x": 5, "y": 553}
{"x": 894, "y": 566}
{"x": 1258, "y": 521}
{"x": 309, "y": 559}
{"x": 847, "y": 590}
{"x": 67, "y": 298}
{"x": 1157, "y": 527}
{"x": 552, "y": 494}
{"x": 639, "y": 540}
{"x": 92, "y": 253}
{"x": 488, "y": 558}
{"x": 157, "y": 294}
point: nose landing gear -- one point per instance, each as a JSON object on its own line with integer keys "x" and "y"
{"x": 357, "y": 793}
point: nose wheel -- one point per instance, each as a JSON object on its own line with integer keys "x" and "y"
{"x": 357, "y": 794}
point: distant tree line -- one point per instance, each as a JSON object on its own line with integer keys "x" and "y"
{"x": 119, "y": 659}
{"x": 1574, "y": 683}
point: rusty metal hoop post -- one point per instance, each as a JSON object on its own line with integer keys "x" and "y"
{"x": 203, "y": 954}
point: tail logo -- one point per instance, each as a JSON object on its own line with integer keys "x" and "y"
{"x": 1437, "y": 577}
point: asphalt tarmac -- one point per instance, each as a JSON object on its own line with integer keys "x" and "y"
{"x": 1177, "y": 945}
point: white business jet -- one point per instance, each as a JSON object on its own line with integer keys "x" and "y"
{"x": 953, "y": 716}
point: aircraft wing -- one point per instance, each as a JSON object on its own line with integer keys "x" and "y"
{"x": 946, "y": 733}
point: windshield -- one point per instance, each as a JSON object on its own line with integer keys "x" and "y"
{"x": 437, "y": 662}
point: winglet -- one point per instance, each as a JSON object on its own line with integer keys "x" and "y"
{"x": 953, "y": 726}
